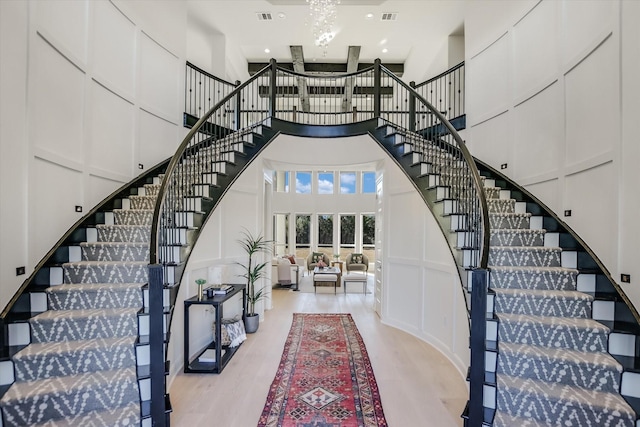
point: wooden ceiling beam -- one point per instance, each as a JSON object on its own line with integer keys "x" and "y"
{"x": 298, "y": 66}
{"x": 325, "y": 67}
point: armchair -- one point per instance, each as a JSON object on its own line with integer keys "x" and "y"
{"x": 357, "y": 262}
{"x": 314, "y": 257}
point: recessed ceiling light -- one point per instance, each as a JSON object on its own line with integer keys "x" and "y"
{"x": 281, "y": 15}
{"x": 267, "y": 50}
{"x": 369, "y": 16}
{"x": 385, "y": 50}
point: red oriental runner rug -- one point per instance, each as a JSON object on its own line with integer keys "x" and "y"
{"x": 324, "y": 378}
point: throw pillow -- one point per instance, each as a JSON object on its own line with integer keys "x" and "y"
{"x": 292, "y": 259}
{"x": 356, "y": 258}
{"x": 317, "y": 256}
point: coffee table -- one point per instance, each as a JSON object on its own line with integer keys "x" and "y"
{"x": 326, "y": 274}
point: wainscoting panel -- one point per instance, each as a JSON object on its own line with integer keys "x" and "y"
{"x": 593, "y": 115}
{"x": 66, "y": 24}
{"x": 98, "y": 187}
{"x": 537, "y": 144}
{"x": 112, "y": 131}
{"x": 591, "y": 196}
{"x": 536, "y": 52}
{"x": 160, "y": 70}
{"x": 405, "y": 214}
{"x": 439, "y": 307}
{"x": 488, "y": 81}
{"x": 158, "y": 139}
{"x": 58, "y": 100}
{"x": 581, "y": 24}
{"x": 53, "y": 188}
{"x": 548, "y": 192}
{"x": 404, "y": 290}
{"x": 491, "y": 140}
{"x": 114, "y": 52}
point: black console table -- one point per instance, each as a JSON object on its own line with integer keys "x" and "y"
{"x": 194, "y": 365}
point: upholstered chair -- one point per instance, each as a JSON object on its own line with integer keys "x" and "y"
{"x": 357, "y": 262}
{"x": 312, "y": 260}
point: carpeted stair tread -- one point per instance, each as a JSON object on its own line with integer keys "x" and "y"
{"x": 509, "y": 220}
{"x": 63, "y": 358}
{"x": 537, "y": 256}
{"x": 558, "y": 332}
{"x": 105, "y": 272}
{"x": 125, "y": 416}
{"x": 58, "y": 325}
{"x": 142, "y": 202}
{"x": 502, "y": 419}
{"x": 57, "y": 397}
{"x": 94, "y": 295}
{"x": 115, "y": 251}
{"x": 543, "y": 302}
{"x": 123, "y": 233}
{"x": 558, "y": 278}
{"x": 562, "y": 405}
{"x": 132, "y": 216}
{"x": 501, "y": 205}
{"x": 516, "y": 237}
{"x": 594, "y": 370}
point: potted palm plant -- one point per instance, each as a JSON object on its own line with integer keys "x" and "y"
{"x": 253, "y": 272}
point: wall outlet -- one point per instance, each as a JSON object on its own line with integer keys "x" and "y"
{"x": 567, "y": 212}
{"x": 20, "y": 271}
{"x": 625, "y": 278}
{"x": 78, "y": 208}
{"x": 503, "y": 166}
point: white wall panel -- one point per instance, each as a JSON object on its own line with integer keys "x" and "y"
{"x": 65, "y": 23}
{"x": 590, "y": 197}
{"x": 158, "y": 139}
{"x": 405, "y": 241}
{"x": 53, "y": 194}
{"x": 438, "y": 306}
{"x": 584, "y": 20}
{"x": 592, "y": 104}
{"x": 548, "y": 192}
{"x": 537, "y": 145}
{"x": 159, "y": 78}
{"x": 98, "y": 188}
{"x": 112, "y": 132}
{"x": 535, "y": 53}
{"x": 488, "y": 82}
{"x": 491, "y": 140}
{"x": 404, "y": 295}
{"x": 58, "y": 99}
{"x": 114, "y": 51}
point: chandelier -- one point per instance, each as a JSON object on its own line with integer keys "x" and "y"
{"x": 323, "y": 16}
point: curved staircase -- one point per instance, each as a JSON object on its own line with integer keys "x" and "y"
{"x": 559, "y": 338}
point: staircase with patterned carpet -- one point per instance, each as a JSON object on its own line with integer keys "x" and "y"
{"x": 560, "y": 340}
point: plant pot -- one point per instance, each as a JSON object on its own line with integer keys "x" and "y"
{"x": 251, "y": 323}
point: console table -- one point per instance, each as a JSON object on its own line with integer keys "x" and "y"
{"x": 194, "y": 365}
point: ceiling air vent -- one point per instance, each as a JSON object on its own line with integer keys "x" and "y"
{"x": 264, "y": 16}
{"x": 389, "y": 16}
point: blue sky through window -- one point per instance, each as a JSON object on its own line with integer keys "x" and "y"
{"x": 347, "y": 182}
{"x": 368, "y": 182}
{"x": 303, "y": 182}
{"x": 325, "y": 183}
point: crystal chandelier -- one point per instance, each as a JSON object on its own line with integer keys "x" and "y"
{"x": 323, "y": 16}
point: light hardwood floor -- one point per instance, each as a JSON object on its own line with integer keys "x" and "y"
{"x": 419, "y": 387}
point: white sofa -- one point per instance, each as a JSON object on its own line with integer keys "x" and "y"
{"x": 288, "y": 273}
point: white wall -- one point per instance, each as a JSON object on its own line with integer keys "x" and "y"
{"x": 545, "y": 96}
{"x": 90, "y": 89}
{"x": 422, "y": 293}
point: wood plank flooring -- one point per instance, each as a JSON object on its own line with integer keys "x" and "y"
{"x": 418, "y": 386}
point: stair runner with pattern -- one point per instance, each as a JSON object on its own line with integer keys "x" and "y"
{"x": 553, "y": 367}
{"x": 80, "y": 368}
